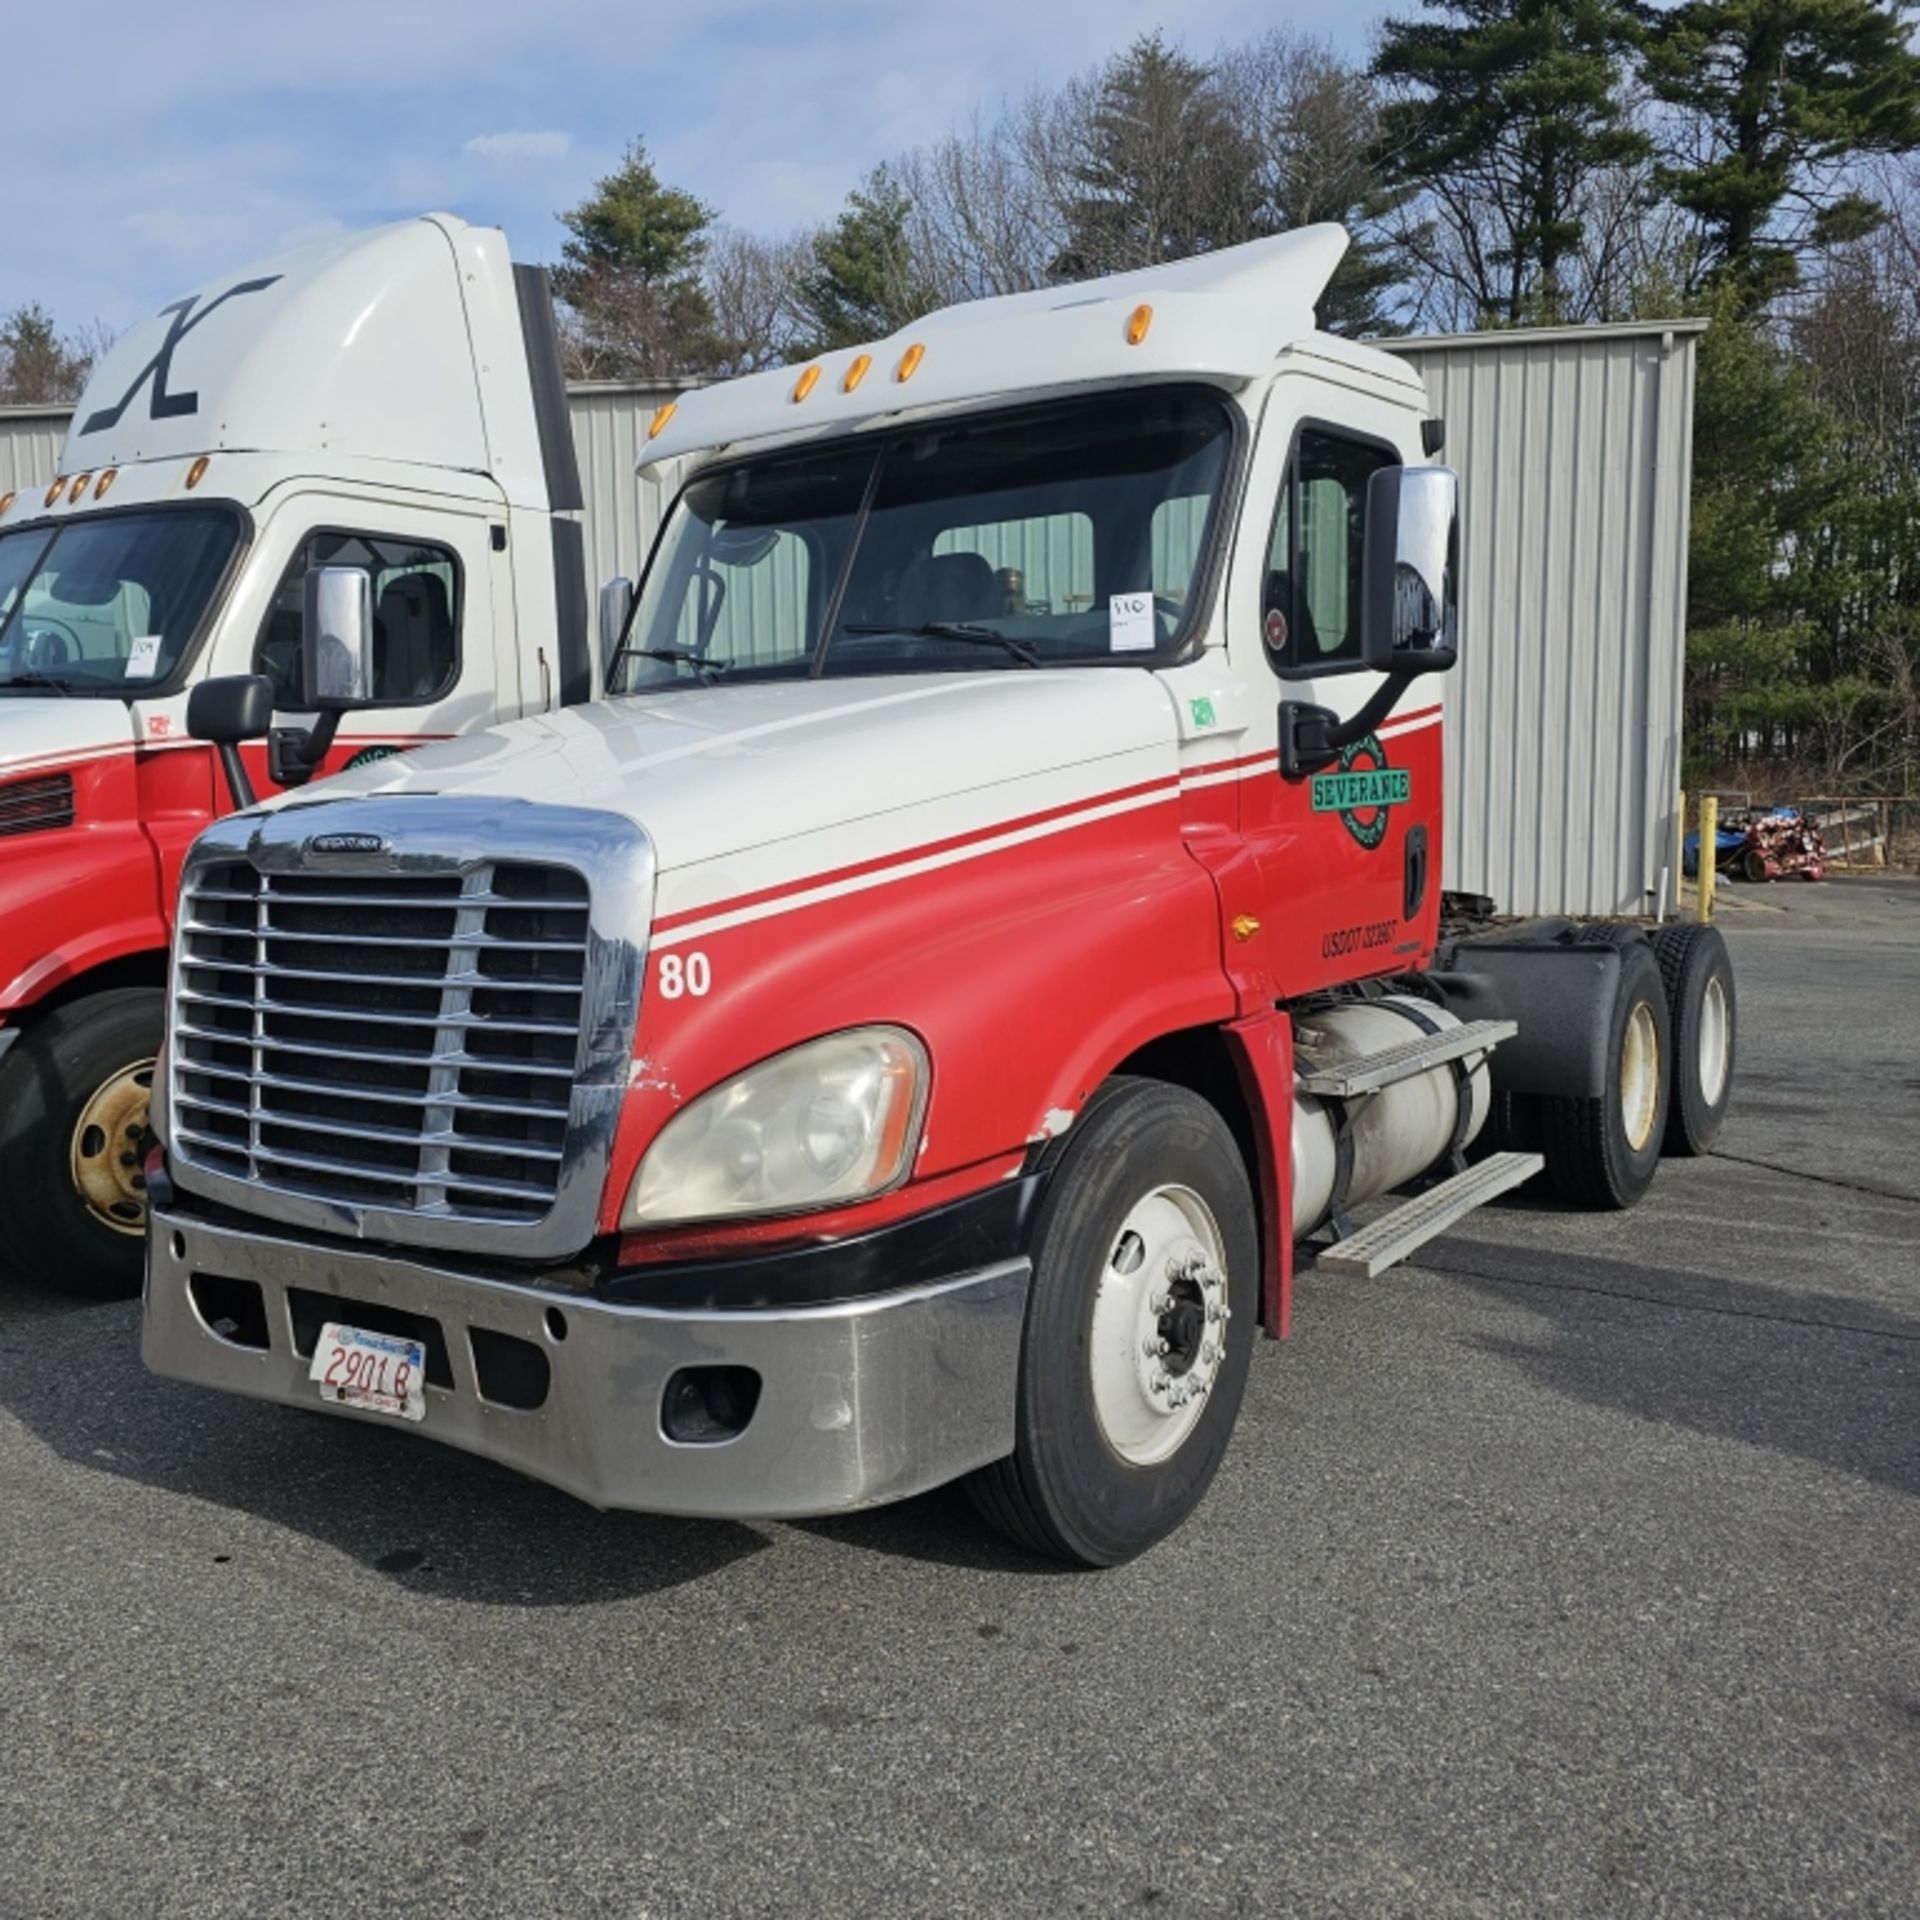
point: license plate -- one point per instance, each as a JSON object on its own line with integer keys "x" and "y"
{"x": 378, "y": 1371}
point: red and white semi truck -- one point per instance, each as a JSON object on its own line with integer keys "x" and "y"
{"x": 907, "y": 1029}
{"x": 389, "y": 401}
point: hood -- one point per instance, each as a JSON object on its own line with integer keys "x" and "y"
{"x": 715, "y": 770}
{"x": 43, "y": 729}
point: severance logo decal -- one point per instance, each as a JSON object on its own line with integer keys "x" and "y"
{"x": 1362, "y": 790}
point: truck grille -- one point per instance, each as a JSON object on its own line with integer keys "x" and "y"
{"x": 34, "y": 806}
{"x": 401, "y": 1042}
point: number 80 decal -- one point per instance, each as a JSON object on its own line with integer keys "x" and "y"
{"x": 691, "y": 975}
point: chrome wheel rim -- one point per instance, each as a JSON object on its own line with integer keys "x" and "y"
{"x": 107, "y": 1154}
{"x": 1716, "y": 1041}
{"x": 1160, "y": 1319}
{"x": 1640, "y": 1075}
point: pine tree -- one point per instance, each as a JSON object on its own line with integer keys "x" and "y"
{"x": 630, "y": 273}
{"x": 1776, "y": 97}
{"x": 861, "y": 284}
{"x": 1163, "y": 171}
{"x": 1506, "y": 111}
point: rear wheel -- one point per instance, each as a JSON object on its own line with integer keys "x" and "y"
{"x": 74, "y": 1096}
{"x": 1698, "y": 977}
{"x": 1140, "y": 1327}
{"x": 1603, "y": 1151}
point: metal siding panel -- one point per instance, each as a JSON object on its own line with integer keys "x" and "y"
{"x": 30, "y": 443}
{"x": 1563, "y": 722}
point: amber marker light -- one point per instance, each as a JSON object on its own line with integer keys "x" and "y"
{"x": 857, "y": 372}
{"x": 658, "y": 424}
{"x": 81, "y": 481}
{"x": 104, "y": 482}
{"x": 910, "y": 362}
{"x": 1138, "y": 321}
{"x": 809, "y": 379}
{"x": 6, "y": 500}
{"x": 56, "y": 490}
{"x": 198, "y": 471}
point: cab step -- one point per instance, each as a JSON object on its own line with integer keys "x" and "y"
{"x": 1369, "y": 1072}
{"x": 1383, "y": 1243}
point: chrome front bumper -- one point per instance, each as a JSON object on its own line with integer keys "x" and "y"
{"x": 860, "y": 1403}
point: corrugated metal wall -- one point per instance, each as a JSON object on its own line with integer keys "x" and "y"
{"x": 1574, "y": 447}
{"x": 30, "y": 440}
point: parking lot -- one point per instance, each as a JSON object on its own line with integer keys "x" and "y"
{"x": 1571, "y": 1571}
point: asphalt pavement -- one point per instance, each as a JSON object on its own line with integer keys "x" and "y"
{"x": 1572, "y": 1571}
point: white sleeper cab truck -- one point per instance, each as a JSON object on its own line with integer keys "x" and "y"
{"x": 389, "y": 403}
{"x": 909, "y": 1028}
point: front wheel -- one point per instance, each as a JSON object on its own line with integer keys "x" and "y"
{"x": 1140, "y": 1327}
{"x": 74, "y": 1095}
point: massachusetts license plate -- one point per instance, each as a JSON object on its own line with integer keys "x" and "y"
{"x": 378, "y": 1371}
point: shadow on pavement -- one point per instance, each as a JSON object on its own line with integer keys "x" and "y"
{"x": 1822, "y": 1377}
{"x": 423, "y": 1516}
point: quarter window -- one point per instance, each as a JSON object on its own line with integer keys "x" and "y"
{"x": 416, "y": 616}
{"x": 1315, "y": 562}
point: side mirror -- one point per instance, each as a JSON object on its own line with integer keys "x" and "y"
{"x": 1410, "y": 614}
{"x": 232, "y": 708}
{"x": 616, "y": 604}
{"x": 336, "y": 655}
{"x": 227, "y": 710}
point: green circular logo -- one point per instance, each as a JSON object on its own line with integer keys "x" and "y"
{"x": 1361, "y": 789}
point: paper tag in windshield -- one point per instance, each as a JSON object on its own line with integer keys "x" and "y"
{"x": 1130, "y": 623}
{"x": 143, "y": 657}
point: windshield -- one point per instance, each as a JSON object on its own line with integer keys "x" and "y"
{"x": 1067, "y": 535}
{"x": 108, "y": 605}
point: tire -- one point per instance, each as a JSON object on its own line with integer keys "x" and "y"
{"x": 1698, "y": 977}
{"x": 1106, "y": 1462}
{"x": 1599, "y": 1154}
{"x": 94, "y": 1058}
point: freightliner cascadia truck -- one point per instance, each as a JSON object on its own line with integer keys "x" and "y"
{"x": 389, "y": 401}
{"x": 909, "y": 1029}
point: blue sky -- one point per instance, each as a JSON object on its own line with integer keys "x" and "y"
{"x": 151, "y": 148}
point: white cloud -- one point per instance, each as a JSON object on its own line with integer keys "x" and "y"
{"x": 520, "y": 146}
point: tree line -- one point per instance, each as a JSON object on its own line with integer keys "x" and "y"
{"x": 1499, "y": 163}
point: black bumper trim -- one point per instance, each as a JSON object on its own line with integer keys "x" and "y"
{"x": 979, "y": 1231}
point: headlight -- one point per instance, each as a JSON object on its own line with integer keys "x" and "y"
{"x": 832, "y": 1121}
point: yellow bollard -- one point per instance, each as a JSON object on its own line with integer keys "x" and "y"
{"x": 1709, "y": 836}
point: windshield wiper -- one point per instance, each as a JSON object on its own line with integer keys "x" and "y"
{"x": 36, "y": 680}
{"x": 680, "y": 656}
{"x": 954, "y": 630}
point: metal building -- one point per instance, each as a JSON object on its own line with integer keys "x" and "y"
{"x": 1574, "y": 447}
{"x": 30, "y": 442}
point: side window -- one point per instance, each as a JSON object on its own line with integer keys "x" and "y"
{"x": 416, "y": 617}
{"x": 1311, "y": 607}
{"x": 1038, "y": 566}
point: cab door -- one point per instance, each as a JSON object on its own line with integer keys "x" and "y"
{"x": 435, "y": 665}
{"x": 1347, "y": 853}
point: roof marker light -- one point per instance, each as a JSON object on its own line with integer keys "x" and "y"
{"x": 658, "y": 424}
{"x": 81, "y": 482}
{"x": 809, "y": 379}
{"x": 6, "y": 500}
{"x": 198, "y": 471}
{"x": 56, "y": 490}
{"x": 1138, "y": 321}
{"x": 857, "y": 372}
{"x": 104, "y": 482}
{"x": 910, "y": 362}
